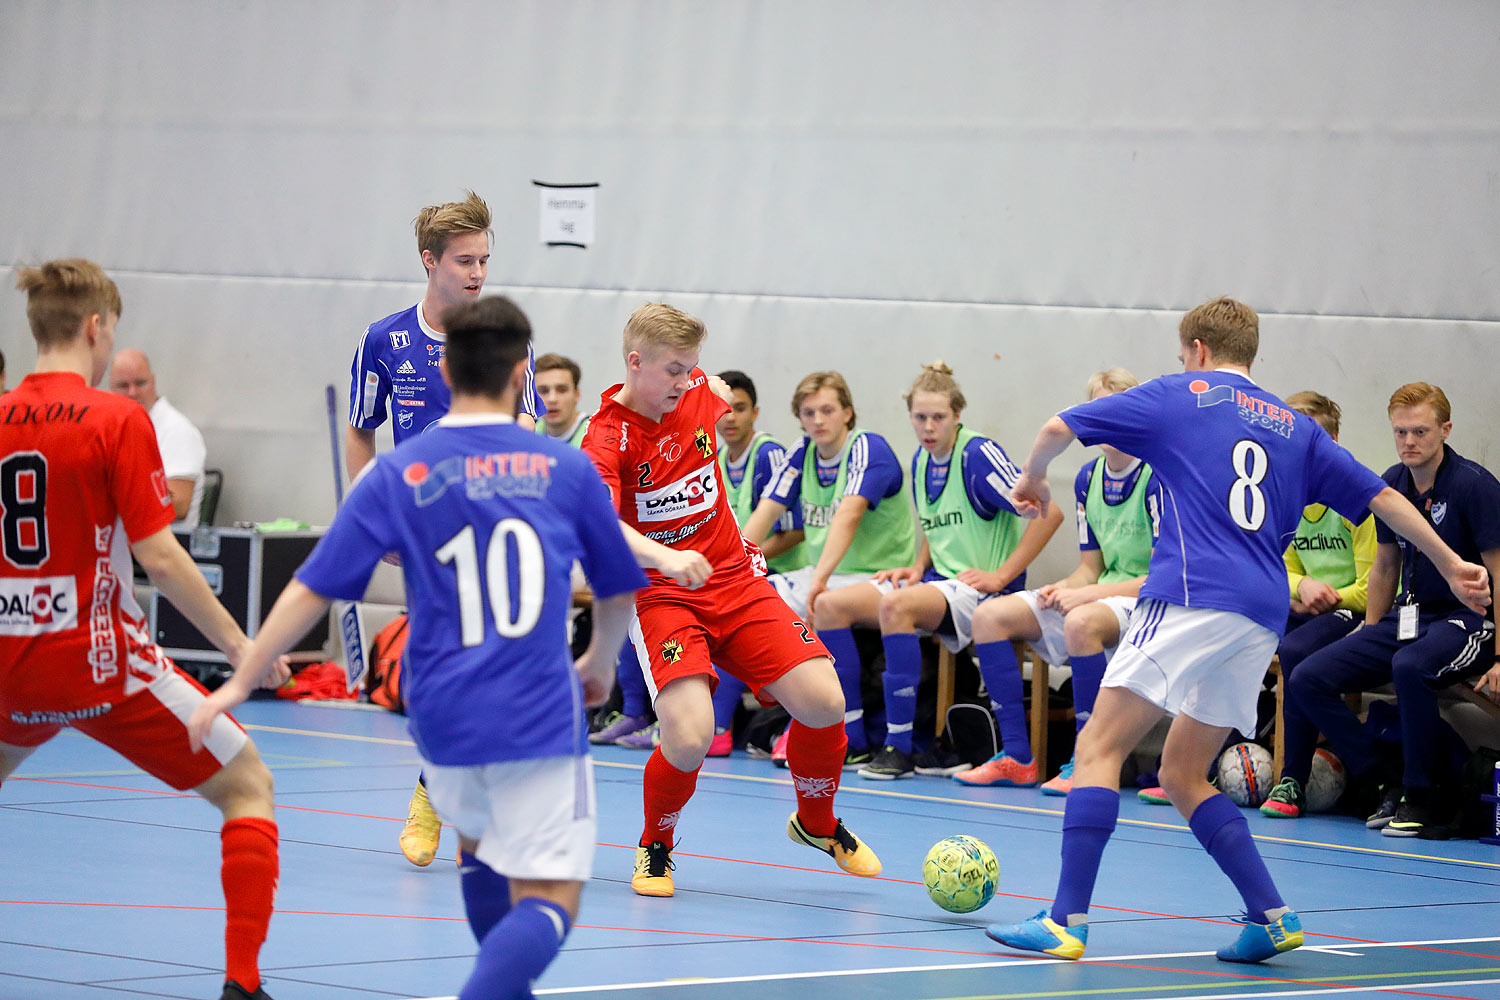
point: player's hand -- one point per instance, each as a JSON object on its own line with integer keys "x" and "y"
{"x": 815, "y": 590}
{"x": 231, "y": 694}
{"x": 1298, "y": 608}
{"x": 686, "y": 566}
{"x": 720, "y": 388}
{"x": 276, "y": 674}
{"x": 1470, "y": 583}
{"x": 1030, "y": 496}
{"x": 1318, "y": 596}
{"x": 1065, "y": 599}
{"x": 982, "y": 580}
{"x": 1489, "y": 684}
{"x": 393, "y": 558}
{"x": 597, "y": 675}
{"x": 901, "y": 576}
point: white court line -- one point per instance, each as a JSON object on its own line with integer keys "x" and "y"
{"x": 567, "y": 990}
{"x": 1315, "y": 991}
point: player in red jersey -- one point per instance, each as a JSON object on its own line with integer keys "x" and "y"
{"x": 653, "y": 441}
{"x": 81, "y": 489}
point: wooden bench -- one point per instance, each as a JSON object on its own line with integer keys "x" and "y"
{"x": 1041, "y": 715}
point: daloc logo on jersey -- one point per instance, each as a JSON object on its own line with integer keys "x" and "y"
{"x": 696, "y": 491}
{"x": 671, "y": 650}
{"x": 38, "y": 605}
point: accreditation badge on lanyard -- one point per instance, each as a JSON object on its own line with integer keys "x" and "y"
{"x": 1406, "y": 622}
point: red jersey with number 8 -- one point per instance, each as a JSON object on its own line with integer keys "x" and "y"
{"x": 664, "y": 476}
{"x": 80, "y": 479}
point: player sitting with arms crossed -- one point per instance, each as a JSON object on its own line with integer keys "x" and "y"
{"x": 1080, "y": 617}
{"x": 652, "y": 440}
{"x": 847, "y": 483}
{"x": 1237, "y": 469}
{"x": 488, "y": 519}
{"x": 82, "y": 490}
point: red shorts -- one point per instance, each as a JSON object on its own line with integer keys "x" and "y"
{"x": 741, "y": 626}
{"x": 148, "y": 728}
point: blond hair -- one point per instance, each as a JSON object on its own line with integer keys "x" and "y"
{"x": 824, "y": 380}
{"x": 937, "y": 377}
{"x": 1415, "y": 394}
{"x": 657, "y": 324}
{"x": 1318, "y": 406}
{"x": 1229, "y": 329}
{"x": 62, "y": 294}
{"x": 1111, "y": 379}
{"x": 436, "y": 225}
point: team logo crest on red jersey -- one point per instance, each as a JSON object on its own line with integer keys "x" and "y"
{"x": 671, "y": 651}
{"x": 704, "y": 443}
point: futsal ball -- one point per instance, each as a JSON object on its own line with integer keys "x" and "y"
{"x": 1326, "y": 783}
{"x": 960, "y": 874}
{"x": 1245, "y": 774}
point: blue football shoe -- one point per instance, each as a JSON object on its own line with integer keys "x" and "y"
{"x": 1042, "y": 933}
{"x": 1258, "y": 942}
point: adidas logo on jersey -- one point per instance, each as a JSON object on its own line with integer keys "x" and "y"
{"x": 406, "y": 369}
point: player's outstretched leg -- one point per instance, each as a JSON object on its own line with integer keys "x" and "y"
{"x": 1270, "y": 925}
{"x": 816, "y": 759}
{"x": 248, "y": 872}
{"x": 419, "y": 837}
{"x": 518, "y": 949}
{"x": 685, "y": 708}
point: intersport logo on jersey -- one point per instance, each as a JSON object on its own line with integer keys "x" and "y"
{"x": 696, "y": 491}
{"x": 38, "y": 605}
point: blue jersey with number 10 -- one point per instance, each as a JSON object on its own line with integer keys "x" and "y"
{"x": 1237, "y": 467}
{"x": 487, "y": 519}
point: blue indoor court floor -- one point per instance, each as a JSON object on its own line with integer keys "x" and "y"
{"x": 111, "y": 888}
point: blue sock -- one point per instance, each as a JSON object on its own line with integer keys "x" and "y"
{"x": 840, "y": 642}
{"x": 903, "y": 668}
{"x": 1002, "y": 679}
{"x": 1088, "y": 820}
{"x": 726, "y": 699}
{"x": 1088, "y": 671}
{"x": 517, "y": 951}
{"x": 632, "y": 684}
{"x": 486, "y": 894}
{"x": 1221, "y": 828}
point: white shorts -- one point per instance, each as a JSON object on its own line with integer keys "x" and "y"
{"x": 1198, "y": 662}
{"x": 962, "y": 601}
{"x": 793, "y": 586}
{"x": 534, "y": 819}
{"x": 1053, "y": 646}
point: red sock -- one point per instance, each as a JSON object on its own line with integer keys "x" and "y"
{"x": 816, "y": 760}
{"x": 249, "y": 877}
{"x": 667, "y": 790}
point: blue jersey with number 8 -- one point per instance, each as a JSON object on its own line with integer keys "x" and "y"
{"x": 1237, "y": 468}
{"x": 487, "y": 519}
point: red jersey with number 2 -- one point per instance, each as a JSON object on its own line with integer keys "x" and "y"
{"x": 665, "y": 476}
{"x": 80, "y": 479}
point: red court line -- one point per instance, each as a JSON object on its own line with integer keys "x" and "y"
{"x": 711, "y": 857}
{"x": 789, "y": 940}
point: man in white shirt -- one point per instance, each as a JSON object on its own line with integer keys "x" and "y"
{"x": 182, "y": 449}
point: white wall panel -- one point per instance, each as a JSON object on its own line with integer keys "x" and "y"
{"x": 860, "y": 185}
